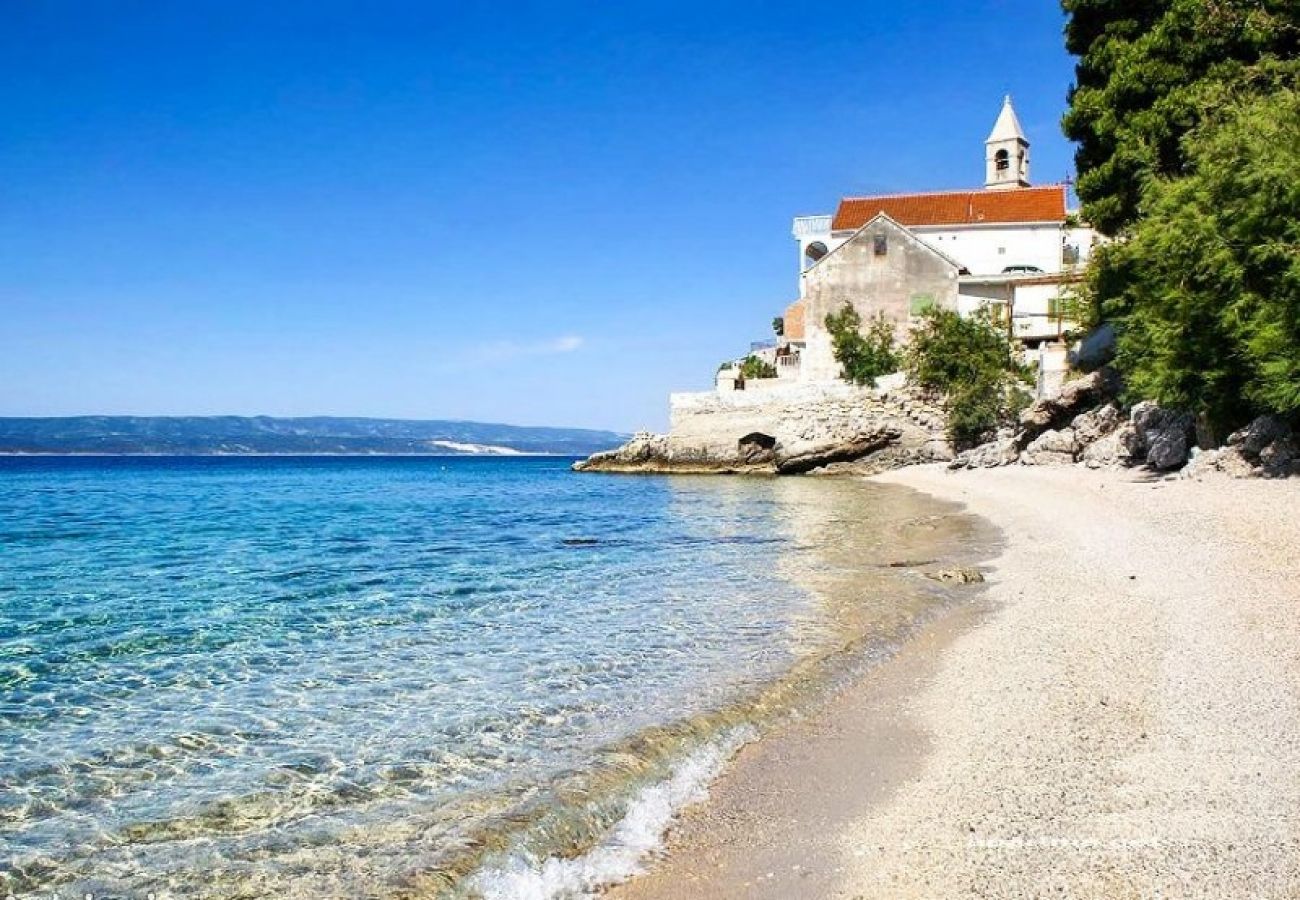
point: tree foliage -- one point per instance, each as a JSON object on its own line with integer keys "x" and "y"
{"x": 1207, "y": 288}
{"x": 756, "y": 367}
{"x": 1143, "y": 80}
{"x": 1185, "y": 114}
{"x": 863, "y": 356}
{"x": 972, "y": 363}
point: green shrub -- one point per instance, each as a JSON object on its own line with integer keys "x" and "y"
{"x": 971, "y": 362}
{"x": 753, "y": 367}
{"x": 778, "y": 326}
{"x": 863, "y": 357}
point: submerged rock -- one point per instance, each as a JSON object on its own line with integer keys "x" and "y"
{"x": 957, "y": 576}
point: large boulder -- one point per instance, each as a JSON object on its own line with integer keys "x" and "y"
{"x": 1266, "y": 448}
{"x": 1166, "y": 433}
{"x": 1097, "y": 349}
{"x": 1001, "y": 451}
{"x": 1095, "y": 424}
{"x": 1051, "y": 448}
{"x": 1123, "y": 447}
{"x": 798, "y": 457}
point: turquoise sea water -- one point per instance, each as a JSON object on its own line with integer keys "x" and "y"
{"x": 366, "y": 677}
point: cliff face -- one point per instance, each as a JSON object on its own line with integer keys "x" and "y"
{"x": 795, "y": 429}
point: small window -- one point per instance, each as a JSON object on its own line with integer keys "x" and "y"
{"x": 1002, "y": 251}
{"x": 881, "y": 244}
{"x": 921, "y": 303}
{"x": 1002, "y": 160}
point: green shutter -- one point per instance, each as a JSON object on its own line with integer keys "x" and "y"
{"x": 921, "y": 303}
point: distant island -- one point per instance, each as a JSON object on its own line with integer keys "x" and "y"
{"x": 267, "y": 435}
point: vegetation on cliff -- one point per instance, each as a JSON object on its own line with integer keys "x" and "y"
{"x": 1187, "y": 116}
{"x": 971, "y": 362}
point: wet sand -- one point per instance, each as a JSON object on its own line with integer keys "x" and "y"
{"x": 1118, "y": 715}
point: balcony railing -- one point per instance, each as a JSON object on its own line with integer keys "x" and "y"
{"x": 805, "y": 226}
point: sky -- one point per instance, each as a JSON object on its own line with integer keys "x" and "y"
{"x": 541, "y": 213}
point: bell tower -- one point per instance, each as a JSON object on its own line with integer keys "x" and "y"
{"x": 1006, "y": 152}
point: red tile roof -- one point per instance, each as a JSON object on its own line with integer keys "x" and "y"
{"x": 1040, "y": 204}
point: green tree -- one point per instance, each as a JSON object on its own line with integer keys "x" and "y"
{"x": 863, "y": 356}
{"x": 754, "y": 367}
{"x": 1141, "y": 85}
{"x": 1206, "y": 290}
{"x": 972, "y": 364}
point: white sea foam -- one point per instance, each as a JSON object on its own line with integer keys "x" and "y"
{"x": 622, "y": 853}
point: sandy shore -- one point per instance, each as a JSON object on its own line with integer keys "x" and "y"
{"x": 1117, "y": 716}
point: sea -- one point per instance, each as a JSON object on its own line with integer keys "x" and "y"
{"x": 246, "y": 677}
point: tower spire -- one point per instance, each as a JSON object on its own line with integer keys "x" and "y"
{"x": 1006, "y": 152}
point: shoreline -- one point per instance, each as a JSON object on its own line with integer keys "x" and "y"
{"x": 1118, "y": 715}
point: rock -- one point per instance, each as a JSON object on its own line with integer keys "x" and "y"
{"x": 1001, "y": 452}
{"x": 1122, "y": 447}
{"x": 1075, "y": 398}
{"x": 1051, "y": 448}
{"x": 1258, "y": 435}
{"x": 1266, "y": 448}
{"x": 1097, "y": 349}
{"x": 1166, "y": 433}
{"x": 1046, "y": 458}
{"x": 1168, "y": 450}
{"x": 804, "y": 456}
{"x": 1051, "y": 441}
{"x": 1094, "y": 425}
{"x": 957, "y": 576}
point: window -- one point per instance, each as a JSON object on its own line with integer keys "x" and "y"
{"x": 813, "y": 252}
{"x": 1002, "y": 251}
{"x": 921, "y": 303}
{"x": 881, "y": 244}
{"x": 1002, "y": 161}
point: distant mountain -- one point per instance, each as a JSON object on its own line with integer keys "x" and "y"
{"x": 233, "y": 435}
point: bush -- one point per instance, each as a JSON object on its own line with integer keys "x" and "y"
{"x": 863, "y": 357}
{"x": 778, "y": 326}
{"x": 970, "y": 361}
{"x": 753, "y": 367}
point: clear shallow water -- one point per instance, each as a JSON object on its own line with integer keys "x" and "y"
{"x": 334, "y": 677}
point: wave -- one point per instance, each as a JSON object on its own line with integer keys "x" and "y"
{"x": 620, "y": 854}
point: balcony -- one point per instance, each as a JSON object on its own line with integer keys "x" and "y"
{"x": 810, "y": 226}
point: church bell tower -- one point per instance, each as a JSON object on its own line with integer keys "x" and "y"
{"x": 1007, "y": 152}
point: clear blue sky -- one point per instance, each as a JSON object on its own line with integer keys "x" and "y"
{"x": 542, "y": 213}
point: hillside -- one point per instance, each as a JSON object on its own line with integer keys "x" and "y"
{"x": 232, "y": 435}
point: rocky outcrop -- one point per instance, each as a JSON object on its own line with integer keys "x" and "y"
{"x": 1054, "y": 430}
{"x": 1084, "y": 424}
{"x": 804, "y": 456}
{"x": 802, "y": 428}
{"x": 1076, "y": 397}
{"x": 1266, "y": 448}
{"x": 656, "y": 453}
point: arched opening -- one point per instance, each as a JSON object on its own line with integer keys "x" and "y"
{"x": 756, "y": 447}
{"x": 1002, "y": 161}
{"x": 813, "y": 252}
